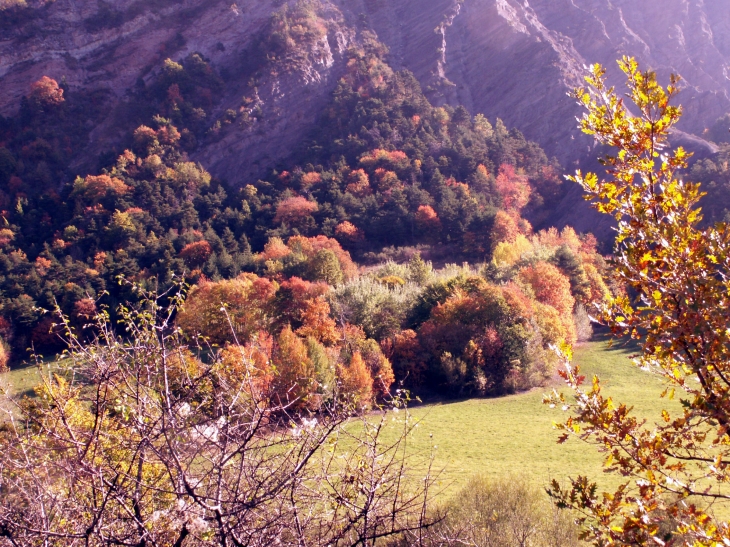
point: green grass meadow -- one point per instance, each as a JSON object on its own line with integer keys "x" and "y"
{"x": 512, "y": 435}
{"x": 17, "y": 383}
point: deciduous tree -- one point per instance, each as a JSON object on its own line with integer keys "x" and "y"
{"x": 195, "y": 254}
{"x": 356, "y": 382}
{"x": 220, "y": 310}
{"x": 93, "y": 188}
{"x": 294, "y": 378}
{"x": 550, "y": 286}
{"x": 46, "y": 93}
{"x": 293, "y": 210}
{"x": 139, "y": 441}
{"x": 675, "y": 465}
{"x": 513, "y": 188}
{"x": 428, "y": 221}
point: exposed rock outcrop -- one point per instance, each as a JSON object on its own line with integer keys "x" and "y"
{"x": 517, "y": 59}
{"x": 115, "y": 45}
{"x": 513, "y": 59}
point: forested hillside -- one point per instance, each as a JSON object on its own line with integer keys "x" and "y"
{"x": 238, "y": 239}
{"x": 382, "y": 175}
{"x": 499, "y": 58}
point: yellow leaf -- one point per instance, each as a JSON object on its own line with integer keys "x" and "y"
{"x": 591, "y": 180}
{"x": 567, "y": 350}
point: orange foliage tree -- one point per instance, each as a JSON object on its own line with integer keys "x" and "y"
{"x": 295, "y": 209}
{"x": 410, "y": 363}
{"x": 301, "y": 305}
{"x": 359, "y": 183}
{"x": 550, "y": 286}
{"x": 46, "y": 92}
{"x": 4, "y": 356}
{"x": 317, "y": 323}
{"x": 275, "y": 249}
{"x": 196, "y": 253}
{"x": 396, "y": 160}
{"x": 487, "y": 338}
{"x": 310, "y": 179}
{"x": 291, "y": 298}
{"x": 310, "y": 246}
{"x": 348, "y": 231}
{"x": 386, "y": 180}
{"x": 504, "y": 229}
{"x": 84, "y": 313}
{"x": 94, "y": 187}
{"x": 294, "y": 374}
{"x": 356, "y": 382}
{"x": 224, "y": 310}
{"x": 512, "y": 187}
{"x": 378, "y": 365}
{"x": 428, "y": 220}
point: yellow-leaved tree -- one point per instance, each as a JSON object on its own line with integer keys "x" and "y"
{"x": 675, "y": 465}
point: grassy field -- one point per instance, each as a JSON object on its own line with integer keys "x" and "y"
{"x": 514, "y": 435}
{"x": 497, "y": 437}
{"x": 18, "y": 382}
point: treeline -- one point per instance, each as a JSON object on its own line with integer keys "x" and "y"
{"x": 459, "y": 330}
{"x": 200, "y": 427}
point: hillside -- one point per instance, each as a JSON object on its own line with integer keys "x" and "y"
{"x": 115, "y": 49}
{"x": 231, "y": 232}
{"x": 499, "y": 57}
{"x": 515, "y": 60}
{"x": 164, "y": 139}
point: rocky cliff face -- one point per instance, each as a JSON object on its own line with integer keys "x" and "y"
{"x": 121, "y": 44}
{"x": 513, "y": 59}
{"x": 517, "y": 59}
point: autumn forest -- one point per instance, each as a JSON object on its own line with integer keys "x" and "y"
{"x": 233, "y": 280}
{"x": 399, "y": 185}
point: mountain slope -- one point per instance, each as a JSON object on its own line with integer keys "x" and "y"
{"x": 118, "y": 47}
{"x": 516, "y": 60}
{"x": 508, "y": 59}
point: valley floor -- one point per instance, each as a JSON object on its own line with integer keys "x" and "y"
{"x": 514, "y": 434}
{"x": 503, "y": 436}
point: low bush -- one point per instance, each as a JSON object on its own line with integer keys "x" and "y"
{"x": 507, "y": 512}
